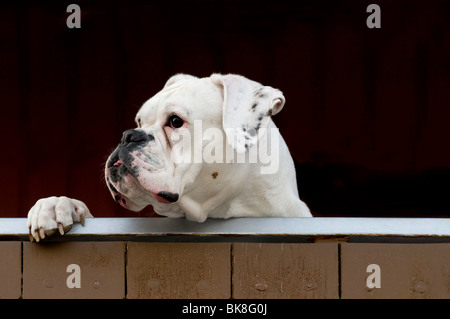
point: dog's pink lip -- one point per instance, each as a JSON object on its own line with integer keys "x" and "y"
{"x": 120, "y": 199}
{"x": 123, "y": 200}
{"x": 118, "y": 163}
{"x": 160, "y": 199}
{"x": 166, "y": 197}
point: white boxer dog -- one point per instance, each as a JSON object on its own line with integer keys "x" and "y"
{"x": 203, "y": 147}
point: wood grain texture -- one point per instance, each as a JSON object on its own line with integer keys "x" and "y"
{"x": 285, "y": 270}
{"x": 101, "y": 264}
{"x": 178, "y": 270}
{"x": 406, "y": 270}
{"x": 10, "y": 270}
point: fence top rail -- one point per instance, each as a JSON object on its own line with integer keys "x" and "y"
{"x": 247, "y": 229}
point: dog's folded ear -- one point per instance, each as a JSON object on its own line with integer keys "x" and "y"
{"x": 247, "y": 108}
{"x": 179, "y": 77}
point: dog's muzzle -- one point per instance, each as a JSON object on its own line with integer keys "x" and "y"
{"x": 119, "y": 163}
{"x": 133, "y": 138}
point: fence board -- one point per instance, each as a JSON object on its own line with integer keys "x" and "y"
{"x": 178, "y": 270}
{"x": 10, "y": 270}
{"x": 236, "y": 258}
{"x": 285, "y": 270}
{"x": 45, "y": 270}
{"x": 405, "y": 270}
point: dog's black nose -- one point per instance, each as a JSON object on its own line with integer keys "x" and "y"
{"x": 135, "y": 136}
{"x": 171, "y": 197}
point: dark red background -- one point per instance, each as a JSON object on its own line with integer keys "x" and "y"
{"x": 367, "y": 112}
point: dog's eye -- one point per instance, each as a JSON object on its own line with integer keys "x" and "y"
{"x": 175, "y": 121}
{"x": 138, "y": 122}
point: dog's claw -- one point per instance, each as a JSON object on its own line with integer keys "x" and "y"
{"x": 42, "y": 233}
{"x": 61, "y": 229}
{"x": 36, "y": 236}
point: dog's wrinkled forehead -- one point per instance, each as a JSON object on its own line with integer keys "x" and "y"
{"x": 240, "y": 106}
{"x": 178, "y": 79}
{"x": 171, "y": 94}
{"x": 183, "y": 95}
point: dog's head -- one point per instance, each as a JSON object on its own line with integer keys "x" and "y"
{"x": 160, "y": 160}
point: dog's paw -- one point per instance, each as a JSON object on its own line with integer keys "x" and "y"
{"x": 55, "y": 214}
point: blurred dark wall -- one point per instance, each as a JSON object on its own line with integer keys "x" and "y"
{"x": 366, "y": 118}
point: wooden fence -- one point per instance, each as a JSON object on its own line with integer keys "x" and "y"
{"x": 238, "y": 258}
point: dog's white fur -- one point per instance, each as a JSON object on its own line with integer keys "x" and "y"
{"x": 218, "y": 190}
